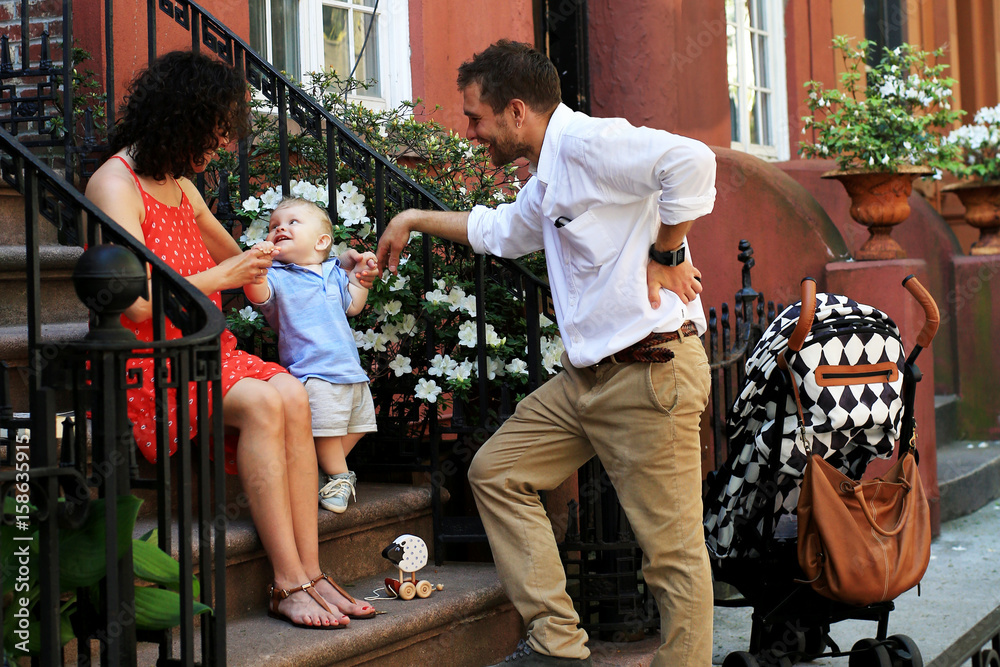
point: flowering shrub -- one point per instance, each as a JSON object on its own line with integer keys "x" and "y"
{"x": 392, "y": 333}
{"x": 885, "y": 116}
{"x": 978, "y": 145}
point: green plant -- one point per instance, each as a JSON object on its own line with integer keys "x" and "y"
{"x": 88, "y": 96}
{"x": 978, "y": 147}
{"x": 82, "y": 566}
{"x": 883, "y": 116}
{"x": 392, "y": 333}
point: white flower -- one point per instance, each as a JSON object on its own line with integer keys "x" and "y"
{"x": 398, "y": 283}
{"x": 436, "y": 296}
{"x": 255, "y": 233}
{"x": 408, "y": 325}
{"x": 494, "y": 367}
{"x": 251, "y": 204}
{"x": 885, "y": 159}
{"x": 467, "y": 334}
{"x": 544, "y": 321}
{"x": 359, "y": 339}
{"x": 492, "y": 339}
{"x": 392, "y": 307}
{"x": 271, "y": 198}
{"x": 468, "y": 304}
{"x": 517, "y": 367}
{"x": 401, "y": 365}
{"x": 439, "y": 283}
{"x": 427, "y": 390}
{"x": 462, "y": 371}
{"x": 248, "y": 314}
{"x": 455, "y": 297}
{"x": 442, "y": 365}
{"x": 304, "y": 190}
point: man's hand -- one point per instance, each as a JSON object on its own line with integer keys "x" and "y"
{"x": 394, "y": 239}
{"x": 364, "y": 272}
{"x": 684, "y": 280}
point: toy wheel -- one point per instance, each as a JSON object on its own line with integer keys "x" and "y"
{"x": 424, "y": 589}
{"x": 869, "y": 653}
{"x": 740, "y": 659}
{"x": 770, "y": 658}
{"x": 407, "y": 590}
{"x": 816, "y": 642}
{"x": 905, "y": 650}
{"x": 988, "y": 658}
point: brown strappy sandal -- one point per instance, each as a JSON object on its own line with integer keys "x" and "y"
{"x": 279, "y": 594}
{"x": 336, "y": 586}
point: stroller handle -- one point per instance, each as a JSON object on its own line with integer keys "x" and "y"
{"x": 931, "y": 313}
{"x": 806, "y": 313}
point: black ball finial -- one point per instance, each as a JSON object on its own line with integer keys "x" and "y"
{"x": 108, "y": 279}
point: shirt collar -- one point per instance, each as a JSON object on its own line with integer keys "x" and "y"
{"x": 558, "y": 121}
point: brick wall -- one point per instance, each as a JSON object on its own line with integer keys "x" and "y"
{"x": 42, "y": 15}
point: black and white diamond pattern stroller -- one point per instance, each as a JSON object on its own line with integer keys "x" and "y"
{"x": 750, "y": 503}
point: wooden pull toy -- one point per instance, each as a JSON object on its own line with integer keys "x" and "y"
{"x": 409, "y": 554}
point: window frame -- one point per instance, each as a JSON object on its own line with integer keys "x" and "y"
{"x": 393, "y": 44}
{"x": 774, "y": 29}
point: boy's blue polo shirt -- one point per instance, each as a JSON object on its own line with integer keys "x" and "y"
{"x": 308, "y": 312}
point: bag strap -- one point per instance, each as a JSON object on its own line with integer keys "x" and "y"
{"x": 868, "y": 515}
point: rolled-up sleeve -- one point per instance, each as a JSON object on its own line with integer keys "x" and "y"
{"x": 687, "y": 177}
{"x": 509, "y": 230}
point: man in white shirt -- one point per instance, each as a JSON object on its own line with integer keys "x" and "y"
{"x": 610, "y": 204}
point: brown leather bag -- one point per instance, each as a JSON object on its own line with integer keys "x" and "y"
{"x": 863, "y": 542}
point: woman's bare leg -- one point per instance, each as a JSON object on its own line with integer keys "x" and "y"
{"x": 257, "y": 409}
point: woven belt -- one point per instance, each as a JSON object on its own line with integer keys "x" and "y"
{"x": 648, "y": 349}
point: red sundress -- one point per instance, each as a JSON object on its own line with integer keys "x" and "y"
{"x": 172, "y": 234}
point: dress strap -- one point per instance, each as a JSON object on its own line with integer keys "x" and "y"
{"x": 134, "y": 177}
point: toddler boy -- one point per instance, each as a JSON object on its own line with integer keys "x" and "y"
{"x": 307, "y": 298}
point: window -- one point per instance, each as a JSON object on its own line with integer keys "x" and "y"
{"x": 755, "y": 40}
{"x": 367, "y": 37}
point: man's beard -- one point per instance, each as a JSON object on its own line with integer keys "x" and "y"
{"x": 503, "y": 148}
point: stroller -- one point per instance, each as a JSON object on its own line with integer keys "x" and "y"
{"x": 750, "y": 503}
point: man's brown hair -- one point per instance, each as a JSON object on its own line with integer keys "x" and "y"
{"x": 510, "y": 70}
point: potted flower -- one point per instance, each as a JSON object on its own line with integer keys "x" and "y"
{"x": 978, "y": 166}
{"x": 883, "y": 126}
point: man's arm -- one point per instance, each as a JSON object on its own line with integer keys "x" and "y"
{"x": 449, "y": 225}
{"x": 684, "y": 280}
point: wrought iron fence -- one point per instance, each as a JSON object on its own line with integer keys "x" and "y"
{"x": 602, "y": 557}
{"x": 980, "y": 645}
{"x": 85, "y": 478}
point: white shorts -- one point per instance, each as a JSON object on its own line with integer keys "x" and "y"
{"x": 339, "y": 409}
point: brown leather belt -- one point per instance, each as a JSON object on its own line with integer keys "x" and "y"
{"x": 648, "y": 350}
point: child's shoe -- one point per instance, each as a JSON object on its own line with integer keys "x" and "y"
{"x": 337, "y": 491}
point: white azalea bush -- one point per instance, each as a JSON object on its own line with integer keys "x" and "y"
{"x": 979, "y": 147}
{"x": 404, "y": 310}
{"x": 884, "y": 116}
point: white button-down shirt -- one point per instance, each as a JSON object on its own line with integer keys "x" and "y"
{"x": 609, "y": 185}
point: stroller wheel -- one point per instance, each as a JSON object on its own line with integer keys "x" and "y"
{"x": 740, "y": 659}
{"x": 779, "y": 641}
{"x": 869, "y": 653}
{"x": 816, "y": 643}
{"x": 989, "y": 658}
{"x": 905, "y": 650}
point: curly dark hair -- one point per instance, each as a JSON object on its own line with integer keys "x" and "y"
{"x": 509, "y": 70}
{"x": 175, "y": 110}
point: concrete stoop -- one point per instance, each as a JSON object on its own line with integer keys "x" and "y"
{"x": 968, "y": 476}
{"x": 350, "y": 543}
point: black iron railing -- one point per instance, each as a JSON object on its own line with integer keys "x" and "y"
{"x": 600, "y": 552}
{"x": 56, "y": 484}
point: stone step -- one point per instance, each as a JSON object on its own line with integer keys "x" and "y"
{"x": 12, "y": 219}
{"x": 968, "y": 476}
{"x": 58, "y": 297}
{"x": 469, "y": 623}
{"x": 14, "y": 351}
{"x": 350, "y": 544}
{"x": 946, "y": 417}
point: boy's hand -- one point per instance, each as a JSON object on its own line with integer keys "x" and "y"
{"x": 365, "y": 270}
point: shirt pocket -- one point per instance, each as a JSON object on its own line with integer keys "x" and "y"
{"x": 586, "y": 240}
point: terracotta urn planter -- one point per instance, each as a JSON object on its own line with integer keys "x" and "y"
{"x": 879, "y": 201}
{"x": 982, "y": 211}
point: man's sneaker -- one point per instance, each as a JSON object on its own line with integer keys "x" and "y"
{"x": 525, "y": 656}
{"x": 337, "y": 491}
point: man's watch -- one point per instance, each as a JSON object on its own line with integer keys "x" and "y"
{"x": 669, "y": 257}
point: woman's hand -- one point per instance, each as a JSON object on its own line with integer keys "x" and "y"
{"x": 250, "y": 267}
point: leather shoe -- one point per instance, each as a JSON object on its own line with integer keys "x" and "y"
{"x": 525, "y": 656}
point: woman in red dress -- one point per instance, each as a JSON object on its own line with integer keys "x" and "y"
{"x": 176, "y": 114}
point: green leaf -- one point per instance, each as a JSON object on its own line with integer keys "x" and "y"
{"x": 14, "y": 643}
{"x": 157, "y": 609}
{"x": 155, "y": 565}
{"x": 81, "y": 550}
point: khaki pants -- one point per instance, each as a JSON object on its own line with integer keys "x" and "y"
{"x": 642, "y": 421}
